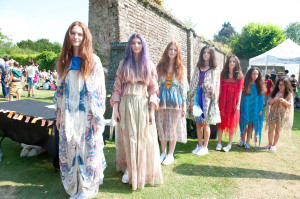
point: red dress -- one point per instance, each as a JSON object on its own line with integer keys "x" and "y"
{"x": 230, "y": 91}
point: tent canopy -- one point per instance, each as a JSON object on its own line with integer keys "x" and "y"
{"x": 288, "y": 52}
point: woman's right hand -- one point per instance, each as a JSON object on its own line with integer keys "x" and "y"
{"x": 117, "y": 116}
{"x": 58, "y": 120}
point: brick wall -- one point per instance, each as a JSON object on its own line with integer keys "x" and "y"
{"x": 116, "y": 20}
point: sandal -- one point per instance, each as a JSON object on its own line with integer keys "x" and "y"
{"x": 247, "y": 146}
{"x": 241, "y": 144}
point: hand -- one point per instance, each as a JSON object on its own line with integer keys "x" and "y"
{"x": 237, "y": 108}
{"x": 94, "y": 126}
{"x": 151, "y": 117}
{"x": 117, "y": 116}
{"x": 260, "y": 113}
{"x": 58, "y": 120}
{"x": 182, "y": 113}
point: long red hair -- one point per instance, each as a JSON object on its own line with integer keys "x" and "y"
{"x": 165, "y": 60}
{"x": 85, "y": 52}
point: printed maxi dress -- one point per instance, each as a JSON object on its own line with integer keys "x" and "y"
{"x": 203, "y": 97}
{"x": 251, "y": 106}
{"x": 172, "y": 94}
{"x": 81, "y": 157}
{"x": 230, "y": 91}
{"x": 281, "y": 114}
{"x": 137, "y": 149}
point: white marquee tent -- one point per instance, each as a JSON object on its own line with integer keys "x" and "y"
{"x": 286, "y": 54}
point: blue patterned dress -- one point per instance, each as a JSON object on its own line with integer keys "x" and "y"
{"x": 81, "y": 157}
{"x": 251, "y": 106}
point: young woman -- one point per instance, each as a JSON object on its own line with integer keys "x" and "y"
{"x": 269, "y": 85}
{"x": 15, "y": 86}
{"x": 80, "y": 99}
{"x": 203, "y": 97}
{"x": 134, "y": 98}
{"x": 280, "y": 112}
{"x": 172, "y": 94}
{"x": 252, "y": 106}
{"x": 232, "y": 82}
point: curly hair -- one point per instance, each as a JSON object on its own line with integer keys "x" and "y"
{"x": 259, "y": 82}
{"x": 165, "y": 60}
{"x": 288, "y": 87}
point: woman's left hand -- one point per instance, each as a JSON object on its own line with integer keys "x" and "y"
{"x": 94, "y": 125}
{"x": 151, "y": 117}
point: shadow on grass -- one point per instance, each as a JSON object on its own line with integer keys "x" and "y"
{"x": 191, "y": 144}
{"x": 231, "y": 172}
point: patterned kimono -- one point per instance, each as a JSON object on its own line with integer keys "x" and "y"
{"x": 280, "y": 114}
{"x": 81, "y": 157}
{"x": 251, "y": 106}
{"x": 137, "y": 149}
{"x": 205, "y": 95}
{"x": 230, "y": 92}
{"x": 172, "y": 94}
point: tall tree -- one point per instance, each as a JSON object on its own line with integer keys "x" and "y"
{"x": 293, "y": 32}
{"x": 256, "y": 39}
{"x": 225, "y": 33}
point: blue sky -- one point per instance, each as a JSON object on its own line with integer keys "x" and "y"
{"x": 34, "y": 19}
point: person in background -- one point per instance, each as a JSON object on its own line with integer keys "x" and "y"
{"x": 286, "y": 72}
{"x": 4, "y": 68}
{"x": 269, "y": 84}
{"x": 30, "y": 74}
{"x": 14, "y": 82}
{"x": 295, "y": 85}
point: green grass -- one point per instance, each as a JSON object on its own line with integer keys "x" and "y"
{"x": 254, "y": 173}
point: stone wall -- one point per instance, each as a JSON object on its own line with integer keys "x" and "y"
{"x": 116, "y": 20}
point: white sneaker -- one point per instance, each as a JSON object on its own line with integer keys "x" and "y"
{"x": 196, "y": 149}
{"x": 168, "y": 160}
{"x": 125, "y": 178}
{"x": 162, "y": 157}
{"x": 202, "y": 151}
{"x": 227, "y": 148}
{"x": 219, "y": 147}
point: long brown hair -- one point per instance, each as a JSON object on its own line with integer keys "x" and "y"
{"x": 237, "y": 71}
{"x": 85, "y": 52}
{"x": 288, "y": 87}
{"x": 212, "y": 58}
{"x": 165, "y": 60}
{"x": 259, "y": 82}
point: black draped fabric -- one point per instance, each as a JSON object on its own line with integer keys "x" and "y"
{"x": 30, "y": 133}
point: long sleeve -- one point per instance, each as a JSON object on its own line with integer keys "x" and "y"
{"x": 58, "y": 95}
{"x": 95, "y": 84}
{"x": 211, "y": 83}
{"x": 117, "y": 89}
{"x": 153, "y": 88}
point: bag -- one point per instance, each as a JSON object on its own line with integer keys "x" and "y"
{"x": 36, "y": 77}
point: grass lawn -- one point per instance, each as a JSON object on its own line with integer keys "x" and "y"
{"x": 240, "y": 173}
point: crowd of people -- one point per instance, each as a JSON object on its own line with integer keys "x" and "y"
{"x": 151, "y": 104}
{"x": 13, "y": 74}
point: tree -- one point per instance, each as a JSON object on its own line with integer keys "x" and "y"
{"x": 40, "y": 45}
{"x": 293, "y": 32}
{"x": 225, "y": 33}
{"x": 256, "y": 39}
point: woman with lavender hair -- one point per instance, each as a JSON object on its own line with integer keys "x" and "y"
{"x": 134, "y": 98}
